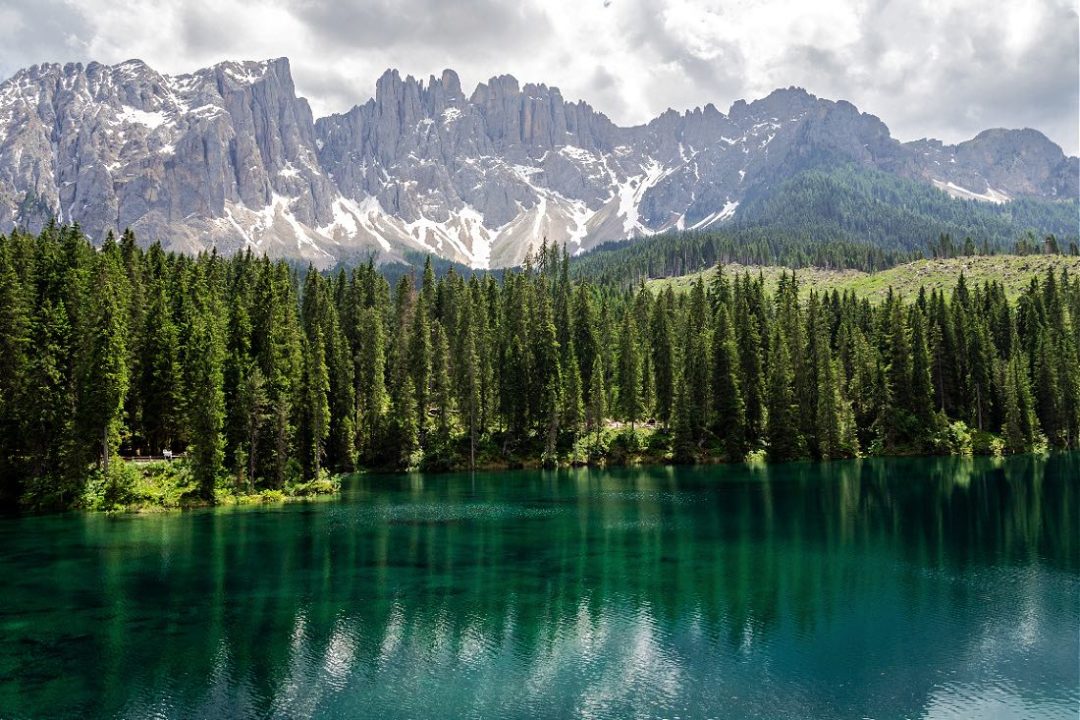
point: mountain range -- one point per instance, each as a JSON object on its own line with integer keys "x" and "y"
{"x": 230, "y": 157}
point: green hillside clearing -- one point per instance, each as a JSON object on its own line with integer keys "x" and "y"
{"x": 1013, "y": 271}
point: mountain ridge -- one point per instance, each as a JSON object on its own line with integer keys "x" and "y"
{"x": 231, "y": 157}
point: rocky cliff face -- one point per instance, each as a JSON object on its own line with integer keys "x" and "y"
{"x": 230, "y": 157}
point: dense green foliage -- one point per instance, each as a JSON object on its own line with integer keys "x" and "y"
{"x": 679, "y": 253}
{"x": 851, "y": 203}
{"x": 265, "y": 378}
{"x": 843, "y": 217}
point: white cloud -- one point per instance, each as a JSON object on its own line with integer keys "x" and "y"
{"x": 942, "y": 68}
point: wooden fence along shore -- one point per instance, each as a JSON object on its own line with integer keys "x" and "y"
{"x": 168, "y": 456}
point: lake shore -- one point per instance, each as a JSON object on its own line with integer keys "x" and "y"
{"x": 166, "y": 486}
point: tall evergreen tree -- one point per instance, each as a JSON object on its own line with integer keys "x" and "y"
{"x": 206, "y": 398}
{"x": 663, "y": 356}
{"x": 785, "y": 439}
{"x": 103, "y": 365}
{"x": 597, "y": 407}
{"x": 729, "y": 411}
{"x": 630, "y": 402}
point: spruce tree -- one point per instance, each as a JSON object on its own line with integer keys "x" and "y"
{"x": 922, "y": 390}
{"x": 897, "y": 419}
{"x": 370, "y": 378}
{"x": 314, "y": 403}
{"x": 15, "y": 359}
{"x": 1020, "y": 430}
{"x": 597, "y": 406}
{"x": 663, "y": 356}
{"x": 161, "y": 384}
{"x": 785, "y": 439}
{"x": 630, "y": 405}
{"x": 103, "y": 364}
{"x": 573, "y": 411}
{"x": 206, "y": 398}
{"x": 729, "y": 411}
{"x": 441, "y": 390}
{"x": 684, "y": 441}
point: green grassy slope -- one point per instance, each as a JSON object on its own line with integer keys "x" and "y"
{"x": 1013, "y": 271}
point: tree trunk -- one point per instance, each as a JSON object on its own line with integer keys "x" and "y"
{"x": 105, "y": 449}
{"x": 472, "y": 436}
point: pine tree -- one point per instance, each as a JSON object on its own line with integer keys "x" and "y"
{"x": 981, "y": 375}
{"x": 15, "y": 359}
{"x": 1020, "y": 430}
{"x": 829, "y": 428}
{"x": 341, "y": 445}
{"x": 785, "y": 439}
{"x": 441, "y": 390}
{"x": 370, "y": 377}
{"x": 406, "y": 436}
{"x": 684, "y": 442}
{"x": 314, "y": 403}
{"x": 663, "y": 356}
{"x": 161, "y": 384}
{"x": 597, "y": 407}
{"x": 1048, "y": 391}
{"x": 470, "y": 384}
{"x": 751, "y": 365}
{"x": 206, "y": 398}
{"x": 420, "y": 363}
{"x": 897, "y": 419}
{"x": 586, "y": 340}
{"x": 630, "y": 405}
{"x": 252, "y": 405}
{"x": 573, "y": 412}
{"x": 546, "y": 372}
{"x": 103, "y": 365}
{"x": 729, "y": 411}
{"x": 922, "y": 391}
{"x": 252, "y": 370}
{"x": 696, "y": 371}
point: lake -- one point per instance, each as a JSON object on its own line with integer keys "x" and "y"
{"x": 886, "y": 588}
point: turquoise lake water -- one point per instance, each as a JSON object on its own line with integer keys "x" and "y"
{"x": 900, "y": 588}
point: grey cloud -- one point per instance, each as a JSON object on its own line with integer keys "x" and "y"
{"x": 603, "y": 91}
{"x": 201, "y": 30}
{"x": 704, "y": 79}
{"x": 975, "y": 86}
{"x": 339, "y": 48}
{"x": 38, "y": 32}
{"x": 462, "y": 27}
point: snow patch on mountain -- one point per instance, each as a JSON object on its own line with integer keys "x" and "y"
{"x": 724, "y": 213}
{"x": 991, "y": 195}
{"x": 152, "y": 120}
{"x": 228, "y": 157}
{"x": 632, "y": 191}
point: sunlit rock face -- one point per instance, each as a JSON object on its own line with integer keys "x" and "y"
{"x": 229, "y": 157}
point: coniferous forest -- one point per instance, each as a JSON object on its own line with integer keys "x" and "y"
{"x": 263, "y": 375}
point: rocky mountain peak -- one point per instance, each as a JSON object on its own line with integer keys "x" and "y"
{"x": 230, "y": 156}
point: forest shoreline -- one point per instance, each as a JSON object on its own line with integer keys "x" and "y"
{"x": 270, "y": 381}
{"x": 172, "y": 491}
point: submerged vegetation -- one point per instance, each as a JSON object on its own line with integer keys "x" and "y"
{"x": 270, "y": 381}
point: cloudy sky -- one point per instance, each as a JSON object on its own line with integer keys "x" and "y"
{"x": 938, "y": 68}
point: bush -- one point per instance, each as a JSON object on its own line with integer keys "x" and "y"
{"x": 114, "y": 489}
{"x": 986, "y": 443}
{"x": 953, "y": 439}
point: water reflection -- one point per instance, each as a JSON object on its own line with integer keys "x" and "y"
{"x": 937, "y": 588}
